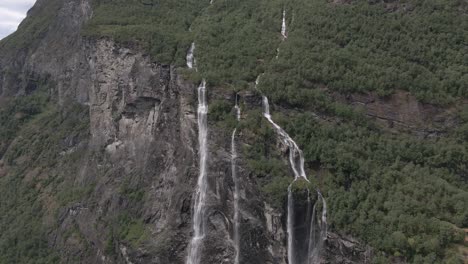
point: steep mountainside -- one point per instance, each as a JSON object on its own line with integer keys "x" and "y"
{"x": 360, "y": 156}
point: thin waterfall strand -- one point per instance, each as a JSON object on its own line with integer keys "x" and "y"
{"x": 316, "y": 243}
{"x": 199, "y": 224}
{"x": 284, "y": 32}
{"x": 290, "y": 227}
{"x": 312, "y": 239}
{"x": 238, "y": 110}
{"x": 296, "y": 158}
{"x": 236, "y": 196}
{"x": 324, "y": 227}
{"x": 236, "y": 187}
{"x": 296, "y": 161}
{"x": 190, "y": 56}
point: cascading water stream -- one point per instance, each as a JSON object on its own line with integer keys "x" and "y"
{"x": 316, "y": 243}
{"x": 236, "y": 236}
{"x": 290, "y": 227}
{"x": 284, "y": 33}
{"x": 238, "y": 110}
{"x": 324, "y": 214}
{"x": 190, "y": 57}
{"x": 283, "y": 26}
{"x": 312, "y": 239}
{"x": 202, "y": 185}
{"x": 296, "y": 160}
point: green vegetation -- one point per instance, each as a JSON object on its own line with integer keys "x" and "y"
{"x": 68, "y": 194}
{"x": 221, "y": 113}
{"x": 413, "y": 45}
{"x": 22, "y": 234}
{"x": 15, "y": 113}
{"x": 160, "y": 27}
{"x": 35, "y": 134}
{"x": 131, "y": 230}
{"x": 263, "y": 159}
{"x": 236, "y": 40}
{"x": 134, "y": 194}
{"x": 361, "y": 46}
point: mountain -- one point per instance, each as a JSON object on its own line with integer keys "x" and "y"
{"x": 293, "y": 131}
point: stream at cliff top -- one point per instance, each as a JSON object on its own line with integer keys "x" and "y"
{"x": 283, "y": 26}
{"x": 296, "y": 157}
{"x": 190, "y": 56}
{"x": 305, "y": 234}
{"x": 199, "y": 224}
{"x": 284, "y": 33}
{"x": 236, "y": 237}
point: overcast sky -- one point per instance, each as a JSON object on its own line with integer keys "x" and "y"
{"x": 12, "y": 12}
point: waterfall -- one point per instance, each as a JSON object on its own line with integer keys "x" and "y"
{"x": 290, "y": 227}
{"x": 236, "y": 187}
{"x": 316, "y": 243}
{"x": 296, "y": 161}
{"x": 311, "y": 255}
{"x": 238, "y": 110}
{"x": 190, "y": 57}
{"x": 324, "y": 216}
{"x": 296, "y": 158}
{"x": 236, "y": 196}
{"x": 257, "y": 81}
{"x": 202, "y": 185}
{"x": 283, "y": 26}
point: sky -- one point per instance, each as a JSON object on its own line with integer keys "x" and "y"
{"x": 12, "y": 12}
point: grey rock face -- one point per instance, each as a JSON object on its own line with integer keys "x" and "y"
{"x": 142, "y": 135}
{"x": 346, "y": 250}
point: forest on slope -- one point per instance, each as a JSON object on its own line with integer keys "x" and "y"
{"x": 403, "y": 194}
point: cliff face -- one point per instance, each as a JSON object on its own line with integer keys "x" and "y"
{"x": 139, "y": 160}
{"x": 144, "y": 160}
